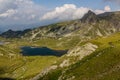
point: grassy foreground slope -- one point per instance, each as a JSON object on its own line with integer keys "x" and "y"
{"x": 15, "y": 66}
{"x": 103, "y": 64}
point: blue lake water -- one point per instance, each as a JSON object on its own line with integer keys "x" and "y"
{"x": 41, "y": 51}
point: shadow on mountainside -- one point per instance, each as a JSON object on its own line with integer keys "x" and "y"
{"x": 6, "y": 79}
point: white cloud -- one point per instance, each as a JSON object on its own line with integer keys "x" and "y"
{"x": 107, "y": 8}
{"x": 99, "y": 11}
{"x": 65, "y": 12}
{"x": 8, "y": 13}
{"x": 19, "y": 11}
{"x": 70, "y": 12}
{"x": 26, "y": 12}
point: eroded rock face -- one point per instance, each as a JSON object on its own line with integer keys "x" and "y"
{"x": 79, "y": 53}
{"x": 65, "y": 63}
{"x": 83, "y": 50}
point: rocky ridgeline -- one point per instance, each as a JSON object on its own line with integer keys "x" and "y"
{"x": 90, "y": 26}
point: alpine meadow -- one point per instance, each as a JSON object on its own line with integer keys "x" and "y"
{"x": 59, "y": 40}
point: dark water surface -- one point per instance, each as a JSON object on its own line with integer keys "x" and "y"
{"x": 2, "y": 43}
{"x": 41, "y": 51}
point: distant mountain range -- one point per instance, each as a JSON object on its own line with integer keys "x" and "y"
{"x": 91, "y": 25}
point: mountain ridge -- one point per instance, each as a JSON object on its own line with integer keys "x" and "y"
{"x": 59, "y": 29}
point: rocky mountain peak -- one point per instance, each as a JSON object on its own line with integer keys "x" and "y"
{"x": 10, "y": 30}
{"x": 89, "y": 17}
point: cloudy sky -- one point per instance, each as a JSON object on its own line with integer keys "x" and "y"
{"x": 21, "y": 14}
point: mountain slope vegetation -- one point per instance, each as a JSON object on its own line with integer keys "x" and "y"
{"x": 92, "y": 45}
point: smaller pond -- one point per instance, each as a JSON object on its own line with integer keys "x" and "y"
{"x": 2, "y": 43}
{"x": 41, "y": 51}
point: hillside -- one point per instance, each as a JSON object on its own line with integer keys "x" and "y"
{"x": 101, "y": 64}
{"x": 83, "y": 49}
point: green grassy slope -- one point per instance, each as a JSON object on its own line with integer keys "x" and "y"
{"x": 103, "y": 64}
{"x": 14, "y": 65}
